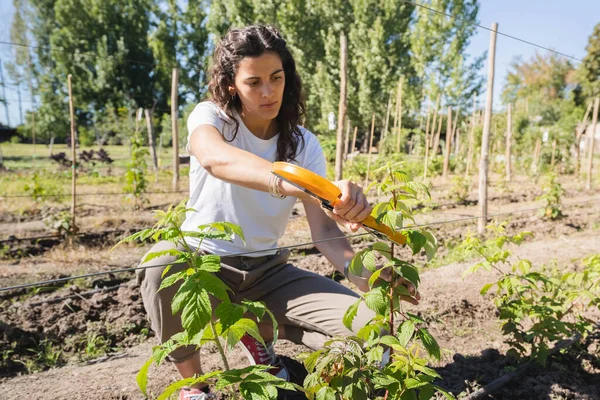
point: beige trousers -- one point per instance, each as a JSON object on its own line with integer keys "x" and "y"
{"x": 308, "y": 306}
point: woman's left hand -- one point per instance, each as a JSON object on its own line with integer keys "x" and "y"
{"x": 353, "y": 206}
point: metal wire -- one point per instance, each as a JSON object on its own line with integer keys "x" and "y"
{"x": 489, "y": 29}
{"x": 16, "y": 196}
{"x": 130, "y": 269}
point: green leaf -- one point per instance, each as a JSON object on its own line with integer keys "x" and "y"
{"x": 429, "y": 343}
{"x": 212, "y": 284}
{"x": 405, "y": 332}
{"x": 430, "y": 246}
{"x": 376, "y": 300}
{"x": 350, "y": 314}
{"x": 142, "y": 376}
{"x": 208, "y": 263}
{"x": 326, "y": 393}
{"x": 485, "y": 288}
{"x": 415, "y": 240}
{"x": 156, "y": 254}
{"x": 257, "y": 391}
{"x": 375, "y": 275}
{"x": 240, "y": 328}
{"x": 171, "y": 279}
{"x": 174, "y": 387}
{"x": 426, "y": 392}
{"x": 228, "y": 314}
{"x": 194, "y": 303}
{"x": 311, "y": 361}
{"x": 411, "y": 274}
{"x": 383, "y": 248}
{"x": 255, "y": 307}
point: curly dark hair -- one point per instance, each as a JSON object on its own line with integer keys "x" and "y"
{"x": 253, "y": 41}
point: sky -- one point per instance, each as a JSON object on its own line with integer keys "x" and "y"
{"x": 561, "y": 25}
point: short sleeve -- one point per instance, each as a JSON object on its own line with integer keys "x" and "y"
{"x": 205, "y": 113}
{"x": 313, "y": 157}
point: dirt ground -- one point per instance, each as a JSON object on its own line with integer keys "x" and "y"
{"x": 98, "y": 324}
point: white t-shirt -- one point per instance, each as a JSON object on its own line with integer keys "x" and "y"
{"x": 263, "y": 218}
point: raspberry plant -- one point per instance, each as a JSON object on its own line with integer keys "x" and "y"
{"x": 553, "y": 193}
{"x": 537, "y": 307}
{"x": 201, "y": 323}
{"x": 351, "y": 367}
{"x": 136, "y": 169}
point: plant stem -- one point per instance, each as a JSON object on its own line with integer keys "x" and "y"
{"x": 392, "y": 284}
{"x": 218, "y": 343}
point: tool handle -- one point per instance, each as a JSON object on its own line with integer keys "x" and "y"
{"x": 386, "y": 230}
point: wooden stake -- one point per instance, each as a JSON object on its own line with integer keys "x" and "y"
{"x": 457, "y": 141}
{"x": 354, "y": 139}
{"x": 387, "y": 115}
{"x": 536, "y": 155}
{"x": 592, "y": 141}
{"x": 448, "y": 143}
{"x": 339, "y": 150}
{"x": 425, "y": 162}
{"x": 347, "y": 138}
{"x": 427, "y": 123}
{"x": 485, "y": 141}
{"x": 508, "y": 155}
{"x": 73, "y": 157}
{"x": 553, "y": 153}
{"x": 435, "y": 115}
{"x": 578, "y": 136}
{"x": 150, "y": 127}
{"x": 398, "y": 99}
{"x": 175, "y": 126}
{"x": 436, "y": 140}
{"x": 471, "y": 137}
{"x": 33, "y": 134}
{"x": 370, "y": 150}
{"x": 399, "y": 132}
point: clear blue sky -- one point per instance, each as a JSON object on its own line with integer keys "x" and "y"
{"x": 563, "y": 25}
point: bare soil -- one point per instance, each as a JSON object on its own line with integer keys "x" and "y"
{"x": 70, "y": 318}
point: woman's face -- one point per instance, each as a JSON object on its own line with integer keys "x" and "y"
{"x": 259, "y": 82}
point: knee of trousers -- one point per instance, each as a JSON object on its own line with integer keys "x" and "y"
{"x": 158, "y": 303}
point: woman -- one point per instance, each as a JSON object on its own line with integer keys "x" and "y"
{"x": 251, "y": 122}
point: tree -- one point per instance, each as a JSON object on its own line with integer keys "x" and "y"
{"x": 438, "y": 47}
{"x": 545, "y": 78}
{"x": 589, "y": 70}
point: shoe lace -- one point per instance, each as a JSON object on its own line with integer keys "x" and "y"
{"x": 267, "y": 354}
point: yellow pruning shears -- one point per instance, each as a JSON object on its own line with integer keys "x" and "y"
{"x": 329, "y": 195}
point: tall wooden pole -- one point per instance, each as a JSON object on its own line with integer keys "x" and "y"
{"x": 436, "y": 140}
{"x": 427, "y": 123}
{"x": 150, "y": 127}
{"x": 485, "y": 140}
{"x": 4, "y": 95}
{"x": 354, "y": 139}
{"x": 347, "y": 138}
{"x": 387, "y": 115}
{"x": 578, "y": 135}
{"x": 399, "y": 132}
{"x": 588, "y": 183}
{"x": 536, "y": 155}
{"x": 435, "y": 115}
{"x": 448, "y": 143}
{"x": 175, "y": 126}
{"x": 553, "y": 153}
{"x": 33, "y": 133}
{"x": 370, "y": 150}
{"x": 508, "y": 154}
{"x": 471, "y": 137}
{"x": 339, "y": 150}
{"x": 73, "y": 156}
{"x": 425, "y": 162}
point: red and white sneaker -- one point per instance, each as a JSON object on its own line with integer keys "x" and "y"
{"x": 260, "y": 355}
{"x": 195, "y": 394}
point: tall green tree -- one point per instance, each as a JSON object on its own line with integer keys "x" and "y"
{"x": 439, "y": 51}
{"x": 589, "y": 70}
